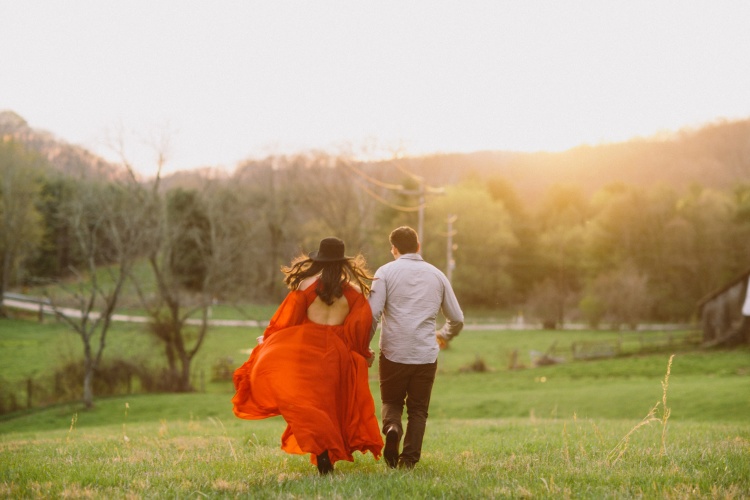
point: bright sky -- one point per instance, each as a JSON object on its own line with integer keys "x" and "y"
{"x": 228, "y": 80}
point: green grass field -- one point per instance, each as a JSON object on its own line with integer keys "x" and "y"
{"x": 571, "y": 430}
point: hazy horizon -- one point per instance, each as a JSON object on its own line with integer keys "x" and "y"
{"x": 228, "y": 81}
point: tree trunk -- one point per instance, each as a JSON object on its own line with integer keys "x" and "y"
{"x": 171, "y": 357}
{"x": 88, "y": 384}
{"x": 185, "y": 385}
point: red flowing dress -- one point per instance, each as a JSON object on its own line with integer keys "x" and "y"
{"x": 316, "y": 377}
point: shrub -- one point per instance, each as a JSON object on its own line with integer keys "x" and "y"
{"x": 222, "y": 369}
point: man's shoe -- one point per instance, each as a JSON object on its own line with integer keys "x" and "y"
{"x": 405, "y": 464}
{"x": 390, "y": 452}
{"x": 324, "y": 464}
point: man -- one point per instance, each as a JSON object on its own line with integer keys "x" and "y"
{"x": 409, "y": 293}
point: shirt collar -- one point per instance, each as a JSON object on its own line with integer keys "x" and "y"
{"x": 411, "y": 256}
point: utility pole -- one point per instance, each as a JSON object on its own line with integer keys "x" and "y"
{"x": 420, "y": 192}
{"x": 451, "y": 264}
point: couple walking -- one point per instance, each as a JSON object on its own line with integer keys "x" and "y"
{"x": 311, "y": 364}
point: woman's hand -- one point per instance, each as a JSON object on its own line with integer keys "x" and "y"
{"x": 370, "y": 359}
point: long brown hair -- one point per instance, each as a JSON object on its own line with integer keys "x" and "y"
{"x": 333, "y": 275}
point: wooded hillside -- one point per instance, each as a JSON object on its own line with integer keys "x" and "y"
{"x": 610, "y": 234}
{"x": 716, "y": 156}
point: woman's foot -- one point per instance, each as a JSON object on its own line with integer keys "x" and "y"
{"x": 324, "y": 464}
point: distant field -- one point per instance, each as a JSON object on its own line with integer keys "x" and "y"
{"x": 705, "y": 385}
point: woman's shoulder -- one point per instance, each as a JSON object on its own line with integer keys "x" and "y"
{"x": 353, "y": 291}
{"x": 307, "y": 283}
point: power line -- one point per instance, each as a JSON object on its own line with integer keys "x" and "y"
{"x": 422, "y": 190}
{"x": 419, "y": 180}
{"x": 387, "y": 203}
{"x": 372, "y": 179}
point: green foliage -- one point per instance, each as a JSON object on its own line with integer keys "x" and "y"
{"x": 191, "y": 245}
{"x": 681, "y": 245}
{"x": 561, "y": 222}
{"x": 543, "y": 233}
{"x": 21, "y": 229}
{"x": 483, "y": 239}
{"x": 619, "y": 296}
{"x": 593, "y": 309}
{"x": 56, "y": 253}
{"x": 222, "y": 369}
{"x": 524, "y": 257}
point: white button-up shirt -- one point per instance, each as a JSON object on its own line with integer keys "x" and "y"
{"x": 408, "y": 294}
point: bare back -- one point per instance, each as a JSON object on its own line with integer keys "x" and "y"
{"x": 321, "y": 313}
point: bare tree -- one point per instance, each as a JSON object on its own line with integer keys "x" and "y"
{"x": 182, "y": 251}
{"x": 194, "y": 256}
{"x": 329, "y": 191}
{"x": 267, "y": 196}
{"x": 106, "y": 220}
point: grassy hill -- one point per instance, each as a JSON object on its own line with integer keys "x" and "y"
{"x": 592, "y": 429}
{"x": 704, "y": 385}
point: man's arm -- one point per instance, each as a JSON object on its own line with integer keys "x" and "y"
{"x": 454, "y": 316}
{"x": 377, "y": 302}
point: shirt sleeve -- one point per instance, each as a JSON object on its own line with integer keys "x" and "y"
{"x": 377, "y": 301}
{"x": 454, "y": 316}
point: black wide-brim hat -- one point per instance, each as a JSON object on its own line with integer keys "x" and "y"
{"x": 330, "y": 250}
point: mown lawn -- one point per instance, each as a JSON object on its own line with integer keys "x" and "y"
{"x": 576, "y": 429}
{"x": 463, "y": 458}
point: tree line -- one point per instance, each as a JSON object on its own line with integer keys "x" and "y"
{"x": 666, "y": 246}
{"x": 617, "y": 256}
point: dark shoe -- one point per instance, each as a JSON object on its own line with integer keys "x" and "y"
{"x": 405, "y": 464}
{"x": 324, "y": 464}
{"x": 390, "y": 452}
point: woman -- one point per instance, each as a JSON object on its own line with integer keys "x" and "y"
{"x": 311, "y": 363}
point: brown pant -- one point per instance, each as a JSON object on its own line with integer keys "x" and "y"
{"x": 411, "y": 385}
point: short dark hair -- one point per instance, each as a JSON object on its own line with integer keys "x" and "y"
{"x": 405, "y": 239}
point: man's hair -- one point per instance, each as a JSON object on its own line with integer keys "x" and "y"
{"x": 405, "y": 239}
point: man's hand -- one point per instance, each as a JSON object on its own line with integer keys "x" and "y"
{"x": 371, "y": 358}
{"x": 442, "y": 343}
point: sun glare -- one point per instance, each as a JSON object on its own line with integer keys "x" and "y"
{"x": 250, "y": 80}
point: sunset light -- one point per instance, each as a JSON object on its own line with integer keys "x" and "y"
{"x": 232, "y": 80}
